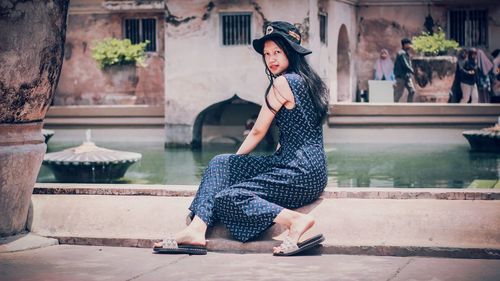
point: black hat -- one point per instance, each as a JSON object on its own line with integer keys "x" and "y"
{"x": 284, "y": 30}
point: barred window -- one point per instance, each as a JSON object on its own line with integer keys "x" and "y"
{"x": 469, "y": 27}
{"x": 140, "y": 30}
{"x": 323, "y": 25}
{"x": 236, "y": 28}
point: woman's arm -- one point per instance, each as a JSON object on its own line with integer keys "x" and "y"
{"x": 279, "y": 95}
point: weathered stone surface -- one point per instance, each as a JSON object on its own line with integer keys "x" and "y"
{"x": 434, "y": 77}
{"x": 383, "y": 27}
{"x": 360, "y": 226}
{"x": 22, "y": 148}
{"x": 25, "y": 241}
{"x": 31, "y": 50}
{"x": 32, "y": 37}
{"x": 87, "y": 263}
{"x": 83, "y": 83}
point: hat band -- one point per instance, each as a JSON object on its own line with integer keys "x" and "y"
{"x": 294, "y": 35}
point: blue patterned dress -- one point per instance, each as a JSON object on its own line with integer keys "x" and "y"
{"x": 246, "y": 192}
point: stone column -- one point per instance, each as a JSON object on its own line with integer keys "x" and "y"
{"x": 314, "y": 40}
{"x": 32, "y": 35}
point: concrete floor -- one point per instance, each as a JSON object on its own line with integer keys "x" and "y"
{"x": 74, "y": 263}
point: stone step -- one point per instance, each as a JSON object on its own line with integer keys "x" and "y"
{"x": 353, "y": 223}
{"x": 330, "y": 192}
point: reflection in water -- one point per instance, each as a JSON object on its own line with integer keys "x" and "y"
{"x": 349, "y": 165}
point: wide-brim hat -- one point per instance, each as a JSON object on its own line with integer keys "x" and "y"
{"x": 285, "y": 30}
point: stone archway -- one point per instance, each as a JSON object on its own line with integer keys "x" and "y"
{"x": 343, "y": 66}
{"x": 224, "y": 122}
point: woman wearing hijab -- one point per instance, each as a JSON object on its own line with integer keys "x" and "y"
{"x": 495, "y": 88}
{"x": 483, "y": 80}
{"x": 383, "y": 69}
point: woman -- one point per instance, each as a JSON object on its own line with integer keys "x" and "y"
{"x": 485, "y": 67}
{"x": 249, "y": 193}
{"x": 468, "y": 78}
{"x": 384, "y": 67}
{"x": 495, "y": 87}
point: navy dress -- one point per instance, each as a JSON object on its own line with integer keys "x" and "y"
{"x": 247, "y": 192}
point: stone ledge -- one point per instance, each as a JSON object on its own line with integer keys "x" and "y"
{"x": 453, "y": 228}
{"x": 25, "y": 241}
{"x": 231, "y": 246}
{"x": 329, "y": 193}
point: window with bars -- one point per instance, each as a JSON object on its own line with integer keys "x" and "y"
{"x": 323, "y": 25}
{"x": 468, "y": 27}
{"x": 236, "y": 28}
{"x": 140, "y": 30}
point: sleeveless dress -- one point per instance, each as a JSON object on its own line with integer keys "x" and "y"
{"x": 247, "y": 192}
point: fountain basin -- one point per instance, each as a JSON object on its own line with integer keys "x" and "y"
{"x": 487, "y": 140}
{"x": 89, "y": 163}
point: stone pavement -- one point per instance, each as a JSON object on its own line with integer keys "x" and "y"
{"x": 75, "y": 263}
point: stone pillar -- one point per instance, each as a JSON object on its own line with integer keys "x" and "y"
{"x": 314, "y": 40}
{"x": 32, "y": 35}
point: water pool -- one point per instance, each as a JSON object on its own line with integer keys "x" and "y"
{"x": 349, "y": 165}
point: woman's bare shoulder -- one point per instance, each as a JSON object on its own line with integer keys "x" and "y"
{"x": 282, "y": 83}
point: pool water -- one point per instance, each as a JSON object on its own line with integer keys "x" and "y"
{"x": 349, "y": 165}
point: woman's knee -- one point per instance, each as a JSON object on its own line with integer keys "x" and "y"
{"x": 220, "y": 159}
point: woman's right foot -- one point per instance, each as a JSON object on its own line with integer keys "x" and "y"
{"x": 187, "y": 236}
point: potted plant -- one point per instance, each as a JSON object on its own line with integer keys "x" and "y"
{"x": 434, "y": 66}
{"x": 118, "y": 60}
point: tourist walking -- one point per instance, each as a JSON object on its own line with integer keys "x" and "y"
{"x": 468, "y": 78}
{"x": 249, "y": 193}
{"x": 403, "y": 72}
{"x": 456, "y": 91}
{"x": 384, "y": 67}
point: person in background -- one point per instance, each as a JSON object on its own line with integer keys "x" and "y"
{"x": 384, "y": 67}
{"x": 403, "y": 72}
{"x": 495, "y": 81}
{"x": 456, "y": 91}
{"x": 468, "y": 78}
{"x": 483, "y": 77}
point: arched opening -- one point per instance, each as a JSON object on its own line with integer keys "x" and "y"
{"x": 227, "y": 122}
{"x": 343, "y": 66}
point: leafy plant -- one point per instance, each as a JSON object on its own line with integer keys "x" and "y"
{"x": 112, "y": 51}
{"x": 434, "y": 44}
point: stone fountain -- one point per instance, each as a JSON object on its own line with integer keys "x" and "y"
{"x": 89, "y": 163}
{"x": 486, "y": 140}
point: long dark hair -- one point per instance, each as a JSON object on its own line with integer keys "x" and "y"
{"x": 316, "y": 87}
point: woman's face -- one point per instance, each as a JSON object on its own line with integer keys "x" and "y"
{"x": 275, "y": 58}
{"x": 384, "y": 54}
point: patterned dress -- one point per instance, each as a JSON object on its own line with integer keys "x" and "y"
{"x": 247, "y": 192}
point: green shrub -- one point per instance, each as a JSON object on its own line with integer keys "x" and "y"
{"x": 434, "y": 45}
{"x": 112, "y": 51}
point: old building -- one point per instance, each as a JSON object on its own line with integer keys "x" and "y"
{"x": 202, "y": 66}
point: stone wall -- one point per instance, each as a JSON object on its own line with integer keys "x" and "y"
{"x": 384, "y": 25}
{"x": 337, "y": 57}
{"x": 82, "y": 82}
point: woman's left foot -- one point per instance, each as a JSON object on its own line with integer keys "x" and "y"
{"x": 298, "y": 227}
